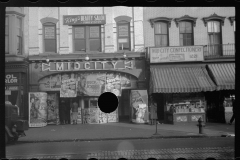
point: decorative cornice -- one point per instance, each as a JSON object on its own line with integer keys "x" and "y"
{"x": 231, "y": 19}
{"x": 165, "y": 19}
{"x": 213, "y": 17}
{"x": 122, "y": 18}
{"x": 16, "y": 13}
{"x": 186, "y": 18}
{"x": 49, "y": 19}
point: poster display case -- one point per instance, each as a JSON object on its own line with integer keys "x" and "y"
{"x": 228, "y": 109}
{"x": 185, "y": 110}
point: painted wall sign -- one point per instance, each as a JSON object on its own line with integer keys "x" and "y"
{"x": 84, "y": 19}
{"x": 12, "y": 78}
{"x": 90, "y": 65}
{"x": 176, "y": 54}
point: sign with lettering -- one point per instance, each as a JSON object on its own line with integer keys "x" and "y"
{"x": 176, "y": 54}
{"x": 90, "y": 65}
{"x": 79, "y": 32}
{"x": 12, "y": 78}
{"x": 49, "y": 33}
{"x": 84, "y": 19}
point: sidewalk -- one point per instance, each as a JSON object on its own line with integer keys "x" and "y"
{"x": 116, "y": 131}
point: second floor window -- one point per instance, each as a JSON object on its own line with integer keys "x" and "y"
{"x": 161, "y": 34}
{"x": 19, "y": 36}
{"x": 49, "y": 37}
{"x": 214, "y": 37}
{"x": 123, "y": 30}
{"x": 86, "y": 38}
{"x": 6, "y": 35}
{"x": 186, "y": 33}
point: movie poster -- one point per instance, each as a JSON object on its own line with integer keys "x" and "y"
{"x": 37, "y": 109}
{"x": 113, "y": 116}
{"x": 79, "y": 116}
{"x": 68, "y": 86}
{"x": 125, "y": 81}
{"x": 93, "y": 113}
{"x": 44, "y": 84}
{"x": 139, "y": 103}
{"x": 102, "y": 117}
{"x": 113, "y": 83}
{"x": 55, "y": 82}
{"x": 91, "y": 84}
{"x": 52, "y": 109}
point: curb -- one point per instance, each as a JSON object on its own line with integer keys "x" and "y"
{"x": 123, "y": 138}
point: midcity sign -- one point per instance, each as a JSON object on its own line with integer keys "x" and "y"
{"x": 90, "y": 65}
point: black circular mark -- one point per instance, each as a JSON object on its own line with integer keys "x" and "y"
{"x": 92, "y": 159}
{"x": 152, "y": 158}
{"x": 122, "y": 159}
{"x": 108, "y": 102}
{"x": 63, "y": 1}
{"x": 92, "y": 1}
{"x": 181, "y": 159}
{"x": 210, "y": 158}
{"x": 4, "y": 1}
{"x": 121, "y": 1}
{"x": 33, "y": 1}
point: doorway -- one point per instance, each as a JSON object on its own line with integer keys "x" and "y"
{"x": 124, "y": 106}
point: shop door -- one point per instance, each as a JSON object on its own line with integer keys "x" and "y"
{"x": 124, "y": 106}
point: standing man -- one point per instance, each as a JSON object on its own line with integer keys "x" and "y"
{"x": 153, "y": 112}
{"x": 233, "y": 109}
{"x": 74, "y": 112}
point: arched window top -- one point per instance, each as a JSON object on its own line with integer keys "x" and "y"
{"x": 49, "y": 20}
{"x": 122, "y": 18}
{"x": 231, "y": 19}
{"x": 161, "y": 19}
{"x": 186, "y": 18}
{"x": 213, "y": 17}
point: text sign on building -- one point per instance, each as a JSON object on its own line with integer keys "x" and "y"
{"x": 176, "y": 54}
{"x": 11, "y": 78}
{"x": 84, "y": 19}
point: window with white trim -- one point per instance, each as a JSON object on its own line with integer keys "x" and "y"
{"x": 49, "y": 37}
{"x": 161, "y": 34}
{"x": 19, "y": 36}
{"x": 186, "y": 33}
{"x": 123, "y": 30}
{"x": 214, "y": 37}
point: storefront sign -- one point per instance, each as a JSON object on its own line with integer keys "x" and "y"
{"x": 139, "y": 105}
{"x": 176, "y": 54}
{"x": 91, "y": 65}
{"x": 12, "y": 78}
{"x": 37, "y": 109}
{"x": 84, "y": 19}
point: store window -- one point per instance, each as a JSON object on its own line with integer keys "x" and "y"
{"x": 123, "y": 30}
{"x": 214, "y": 37}
{"x": 161, "y": 34}
{"x": 87, "y": 38}
{"x": 19, "y": 36}
{"x": 49, "y": 37}
{"x": 186, "y": 33}
{"x": 6, "y": 35}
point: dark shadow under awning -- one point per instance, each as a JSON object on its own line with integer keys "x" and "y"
{"x": 223, "y": 75}
{"x": 180, "y": 79}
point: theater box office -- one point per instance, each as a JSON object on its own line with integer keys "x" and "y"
{"x": 68, "y": 79}
{"x": 178, "y": 81}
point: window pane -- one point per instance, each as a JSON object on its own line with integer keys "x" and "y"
{"x": 123, "y": 46}
{"x": 157, "y": 40}
{"x": 6, "y": 44}
{"x": 181, "y": 42}
{"x": 164, "y": 28}
{"x": 157, "y": 28}
{"x": 164, "y": 40}
{"x": 123, "y": 31}
{"x": 94, "y": 32}
{"x": 19, "y": 44}
{"x": 95, "y": 45}
{"x": 188, "y": 27}
{"x": 213, "y": 26}
{"x": 50, "y": 45}
{"x": 80, "y": 45}
{"x": 49, "y": 32}
{"x": 79, "y": 32}
{"x": 161, "y": 28}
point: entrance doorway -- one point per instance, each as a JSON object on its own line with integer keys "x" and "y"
{"x": 124, "y": 106}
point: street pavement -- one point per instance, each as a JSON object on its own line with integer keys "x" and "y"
{"x": 115, "y": 131}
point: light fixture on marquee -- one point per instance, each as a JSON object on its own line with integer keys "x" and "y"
{"x": 87, "y": 58}
{"x": 124, "y": 55}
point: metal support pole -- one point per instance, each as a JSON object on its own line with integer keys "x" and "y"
{"x": 156, "y": 128}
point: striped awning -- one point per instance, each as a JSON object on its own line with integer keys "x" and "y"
{"x": 223, "y": 75}
{"x": 180, "y": 79}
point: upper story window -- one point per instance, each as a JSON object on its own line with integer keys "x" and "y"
{"x": 186, "y": 33}
{"x": 161, "y": 34}
{"x": 123, "y": 31}
{"x": 214, "y": 32}
{"x": 161, "y": 27}
{"x": 6, "y": 35}
{"x": 19, "y": 36}
{"x": 232, "y": 21}
{"x": 49, "y": 37}
{"x": 87, "y": 38}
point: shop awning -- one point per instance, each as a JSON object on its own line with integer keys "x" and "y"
{"x": 180, "y": 79}
{"x": 223, "y": 75}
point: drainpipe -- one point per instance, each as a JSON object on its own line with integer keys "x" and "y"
{"x": 133, "y": 28}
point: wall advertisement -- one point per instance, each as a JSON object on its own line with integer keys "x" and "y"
{"x": 113, "y": 83}
{"x": 68, "y": 86}
{"x": 52, "y": 108}
{"x": 139, "y": 105}
{"x": 38, "y": 109}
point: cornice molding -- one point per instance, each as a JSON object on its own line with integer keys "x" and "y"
{"x": 122, "y": 18}
{"x": 231, "y": 19}
{"x": 16, "y": 13}
{"x": 49, "y": 19}
{"x": 159, "y": 19}
{"x": 186, "y": 18}
{"x": 213, "y": 17}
